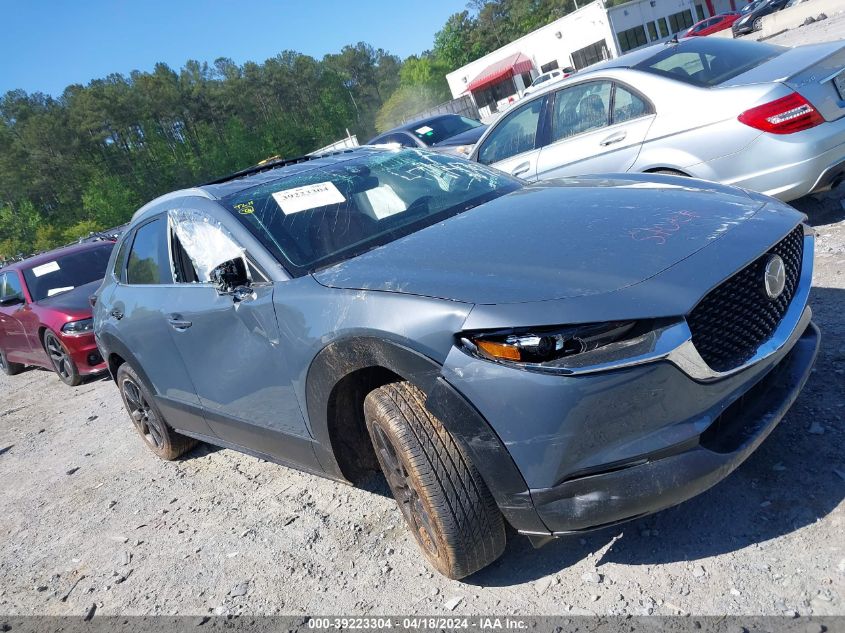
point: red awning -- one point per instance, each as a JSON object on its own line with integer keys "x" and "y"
{"x": 515, "y": 64}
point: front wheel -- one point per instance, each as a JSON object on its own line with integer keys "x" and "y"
{"x": 63, "y": 364}
{"x": 758, "y": 24}
{"x": 441, "y": 495}
{"x": 159, "y": 437}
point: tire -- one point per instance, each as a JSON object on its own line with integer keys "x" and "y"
{"x": 757, "y": 25}
{"x": 9, "y": 368}
{"x": 159, "y": 437}
{"x": 441, "y": 495}
{"x": 63, "y": 364}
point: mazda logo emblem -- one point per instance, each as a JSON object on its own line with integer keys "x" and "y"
{"x": 774, "y": 277}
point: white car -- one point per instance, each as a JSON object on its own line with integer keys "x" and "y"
{"x": 546, "y": 79}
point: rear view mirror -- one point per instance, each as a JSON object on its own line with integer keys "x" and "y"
{"x": 229, "y": 275}
{"x": 11, "y": 301}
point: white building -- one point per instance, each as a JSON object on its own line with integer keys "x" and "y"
{"x": 585, "y": 36}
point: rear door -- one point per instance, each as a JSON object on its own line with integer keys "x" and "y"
{"x": 137, "y": 310}
{"x": 513, "y": 144}
{"x": 596, "y": 127}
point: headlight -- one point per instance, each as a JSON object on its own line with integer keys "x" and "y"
{"x": 547, "y": 345}
{"x": 78, "y": 327}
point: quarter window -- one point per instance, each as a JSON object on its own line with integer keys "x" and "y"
{"x": 119, "y": 260}
{"x": 149, "y": 262}
{"x": 627, "y": 105}
{"x": 516, "y": 134}
{"x": 580, "y": 109}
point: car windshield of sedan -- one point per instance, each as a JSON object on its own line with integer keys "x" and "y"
{"x": 316, "y": 218}
{"x": 710, "y": 61}
{"x": 748, "y": 8}
{"x": 432, "y": 132}
{"x": 67, "y": 272}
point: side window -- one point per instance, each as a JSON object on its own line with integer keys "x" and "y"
{"x": 580, "y": 109}
{"x": 120, "y": 259}
{"x": 148, "y": 258}
{"x": 199, "y": 244}
{"x": 627, "y": 105}
{"x": 517, "y": 133}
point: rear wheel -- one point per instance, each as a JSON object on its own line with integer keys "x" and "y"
{"x": 150, "y": 424}
{"x": 9, "y": 368}
{"x": 441, "y": 495}
{"x": 62, "y": 362}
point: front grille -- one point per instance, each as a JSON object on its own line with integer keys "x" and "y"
{"x": 737, "y": 316}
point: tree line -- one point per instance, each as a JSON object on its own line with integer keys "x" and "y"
{"x": 85, "y": 160}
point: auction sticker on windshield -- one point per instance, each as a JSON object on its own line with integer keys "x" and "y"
{"x": 308, "y": 197}
{"x": 43, "y": 269}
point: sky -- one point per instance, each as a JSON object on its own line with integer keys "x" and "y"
{"x": 48, "y": 44}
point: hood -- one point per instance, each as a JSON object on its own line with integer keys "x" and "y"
{"x": 73, "y": 301}
{"x": 554, "y": 240}
{"x": 470, "y": 137}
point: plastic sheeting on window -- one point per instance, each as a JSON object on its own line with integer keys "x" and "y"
{"x": 205, "y": 240}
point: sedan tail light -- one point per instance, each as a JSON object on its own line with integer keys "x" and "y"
{"x": 792, "y": 113}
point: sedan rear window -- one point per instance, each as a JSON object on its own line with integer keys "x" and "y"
{"x": 708, "y": 62}
{"x": 324, "y": 215}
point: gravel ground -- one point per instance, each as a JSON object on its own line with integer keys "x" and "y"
{"x": 833, "y": 28}
{"x": 89, "y": 517}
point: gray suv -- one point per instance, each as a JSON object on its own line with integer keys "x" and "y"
{"x": 557, "y": 357}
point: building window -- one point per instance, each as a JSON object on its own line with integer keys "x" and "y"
{"x": 680, "y": 21}
{"x": 664, "y": 30}
{"x": 631, "y": 38}
{"x": 652, "y": 31}
{"x": 552, "y": 65}
{"x": 590, "y": 55}
{"x": 699, "y": 11}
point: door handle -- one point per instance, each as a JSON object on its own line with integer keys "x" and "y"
{"x": 117, "y": 313}
{"x": 178, "y": 323}
{"x": 521, "y": 169}
{"x": 614, "y": 138}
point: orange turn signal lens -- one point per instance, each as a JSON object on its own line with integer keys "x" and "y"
{"x": 498, "y": 350}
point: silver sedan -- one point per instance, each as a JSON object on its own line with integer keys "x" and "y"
{"x": 755, "y": 115}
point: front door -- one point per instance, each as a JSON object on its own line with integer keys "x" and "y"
{"x": 231, "y": 346}
{"x": 512, "y": 145}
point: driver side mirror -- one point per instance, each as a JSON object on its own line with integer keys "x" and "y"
{"x": 11, "y": 301}
{"x": 230, "y": 275}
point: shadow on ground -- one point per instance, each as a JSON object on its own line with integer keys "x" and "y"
{"x": 787, "y": 484}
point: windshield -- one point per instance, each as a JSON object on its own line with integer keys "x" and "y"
{"x": 709, "y": 61}
{"x": 437, "y": 130}
{"x": 748, "y": 8}
{"x": 67, "y": 272}
{"x": 541, "y": 79}
{"x": 317, "y": 218}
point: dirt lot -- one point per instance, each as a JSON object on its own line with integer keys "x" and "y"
{"x": 88, "y": 516}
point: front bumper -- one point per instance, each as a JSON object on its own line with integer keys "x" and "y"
{"x": 655, "y": 482}
{"x": 84, "y": 352}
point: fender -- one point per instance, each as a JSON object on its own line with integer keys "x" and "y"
{"x": 472, "y": 432}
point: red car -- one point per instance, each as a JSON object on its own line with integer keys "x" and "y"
{"x": 713, "y": 25}
{"x": 45, "y": 317}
